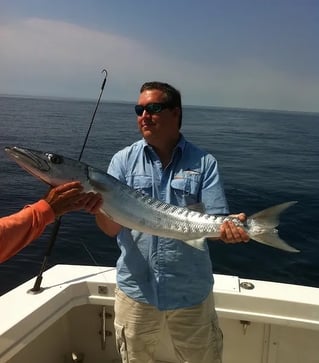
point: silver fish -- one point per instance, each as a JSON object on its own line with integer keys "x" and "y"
{"x": 134, "y": 210}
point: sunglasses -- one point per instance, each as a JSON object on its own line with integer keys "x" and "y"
{"x": 151, "y": 108}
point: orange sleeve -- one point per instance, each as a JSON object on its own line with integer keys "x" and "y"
{"x": 20, "y": 229}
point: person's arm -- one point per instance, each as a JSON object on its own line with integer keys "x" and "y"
{"x": 116, "y": 169}
{"x": 107, "y": 225}
{"x": 21, "y": 228}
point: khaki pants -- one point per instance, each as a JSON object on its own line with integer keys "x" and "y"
{"x": 194, "y": 331}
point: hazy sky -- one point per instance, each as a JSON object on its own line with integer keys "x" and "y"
{"x": 233, "y": 53}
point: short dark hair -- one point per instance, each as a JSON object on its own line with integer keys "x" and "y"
{"x": 173, "y": 96}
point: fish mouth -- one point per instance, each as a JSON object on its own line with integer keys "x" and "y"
{"x": 28, "y": 160}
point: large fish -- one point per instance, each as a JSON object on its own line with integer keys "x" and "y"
{"x": 134, "y": 210}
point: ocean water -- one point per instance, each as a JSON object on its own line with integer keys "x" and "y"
{"x": 265, "y": 158}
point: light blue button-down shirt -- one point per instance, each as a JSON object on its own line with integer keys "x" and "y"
{"x": 164, "y": 272}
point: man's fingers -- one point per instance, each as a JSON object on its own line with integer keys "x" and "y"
{"x": 71, "y": 186}
{"x": 230, "y": 233}
{"x": 92, "y": 202}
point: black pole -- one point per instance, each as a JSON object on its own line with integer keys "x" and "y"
{"x": 37, "y": 285}
{"x": 93, "y": 116}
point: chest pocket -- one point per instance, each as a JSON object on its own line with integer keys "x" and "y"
{"x": 142, "y": 183}
{"x": 186, "y": 189}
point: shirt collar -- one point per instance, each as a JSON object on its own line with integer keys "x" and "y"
{"x": 179, "y": 146}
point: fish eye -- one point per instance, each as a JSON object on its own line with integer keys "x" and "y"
{"x": 55, "y": 159}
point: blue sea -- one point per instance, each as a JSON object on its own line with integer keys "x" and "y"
{"x": 265, "y": 158}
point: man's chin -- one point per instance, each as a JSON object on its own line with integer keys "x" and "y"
{"x": 149, "y": 137}
{"x": 147, "y": 132}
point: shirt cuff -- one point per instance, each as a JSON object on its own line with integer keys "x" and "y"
{"x": 45, "y": 209}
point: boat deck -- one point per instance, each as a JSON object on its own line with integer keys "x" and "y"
{"x": 72, "y": 320}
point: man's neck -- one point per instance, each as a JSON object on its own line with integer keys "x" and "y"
{"x": 165, "y": 150}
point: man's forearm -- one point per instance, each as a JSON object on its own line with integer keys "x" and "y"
{"x": 107, "y": 225}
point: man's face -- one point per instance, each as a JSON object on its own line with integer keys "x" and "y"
{"x": 159, "y": 126}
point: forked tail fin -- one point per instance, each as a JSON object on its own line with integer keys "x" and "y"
{"x": 262, "y": 227}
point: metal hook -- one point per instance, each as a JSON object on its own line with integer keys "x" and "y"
{"x": 104, "y": 81}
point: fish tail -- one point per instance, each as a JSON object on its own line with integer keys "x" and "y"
{"x": 263, "y": 227}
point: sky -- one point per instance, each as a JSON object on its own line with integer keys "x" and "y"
{"x": 261, "y": 54}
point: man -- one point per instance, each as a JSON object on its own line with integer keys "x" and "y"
{"x": 20, "y": 229}
{"x": 160, "y": 280}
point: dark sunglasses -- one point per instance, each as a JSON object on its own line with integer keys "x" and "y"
{"x": 151, "y": 108}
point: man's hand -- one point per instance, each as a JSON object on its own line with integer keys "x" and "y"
{"x": 230, "y": 233}
{"x": 70, "y": 197}
{"x": 92, "y": 202}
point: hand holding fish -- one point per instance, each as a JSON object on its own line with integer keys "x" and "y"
{"x": 92, "y": 202}
{"x": 230, "y": 233}
{"x": 69, "y": 197}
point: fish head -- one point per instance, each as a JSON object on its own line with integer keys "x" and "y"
{"x": 51, "y": 168}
